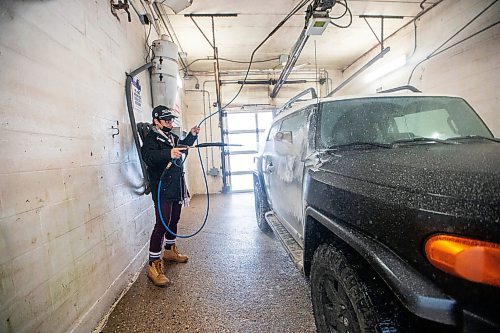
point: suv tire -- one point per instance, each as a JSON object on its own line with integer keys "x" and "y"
{"x": 261, "y": 207}
{"x": 348, "y": 297}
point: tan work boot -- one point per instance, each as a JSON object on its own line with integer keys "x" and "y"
{"x": 174, "y": 255}
{"x": 156, "y": 274}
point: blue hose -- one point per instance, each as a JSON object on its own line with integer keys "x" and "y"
{"x": 206, "y": 187}
{"x": 208, "y": 201}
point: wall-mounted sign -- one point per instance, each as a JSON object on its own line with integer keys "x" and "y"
{"x": 136, "y": 96}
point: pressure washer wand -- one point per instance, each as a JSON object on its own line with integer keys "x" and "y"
{"x": 211, "y": 144}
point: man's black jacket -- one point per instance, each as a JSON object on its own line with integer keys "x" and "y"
{"x": 156, "y": 154}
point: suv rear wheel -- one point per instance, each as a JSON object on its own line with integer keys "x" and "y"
{"x": 348, "y": 297}
{"x": 261, "y": 206}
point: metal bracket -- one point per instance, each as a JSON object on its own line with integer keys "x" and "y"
{"x": 120, "y": 5}
{"x": 381, "y": 17}
{"x": 116, "y": 129}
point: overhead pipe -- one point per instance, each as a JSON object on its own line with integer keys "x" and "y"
{"x": 153, "y": 12}
{"x": 225, "y": 185}
{"x": 210, "y": 119}
{"x": 271, "y": 82}
{"x": 315, "y": 9}
{"x": 294, "y": 56}
{"x": 256, "y": 72}
{"x": 263, "y": 82}
{"x": 328, "y": 81}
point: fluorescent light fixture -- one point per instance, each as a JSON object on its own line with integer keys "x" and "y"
{"x": 394, "y": 64}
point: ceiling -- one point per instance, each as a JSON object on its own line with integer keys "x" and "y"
{"x": 237, "y": 37}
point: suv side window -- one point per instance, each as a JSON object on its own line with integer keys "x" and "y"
{"x": 295, "y": 122}
{"x": 274, "y": 129}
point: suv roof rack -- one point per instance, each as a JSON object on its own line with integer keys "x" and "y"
{"x": 407, "y": 87}
{"x": 295, "y": 98}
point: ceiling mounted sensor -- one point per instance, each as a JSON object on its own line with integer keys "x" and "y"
{"x": 316, "y": 21}
{"x": 317, "y": 16}
{"x": 317, "y": 25}
{"x": 176, "y": 5}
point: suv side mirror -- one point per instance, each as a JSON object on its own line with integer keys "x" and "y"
{"x": 284, "y": 136}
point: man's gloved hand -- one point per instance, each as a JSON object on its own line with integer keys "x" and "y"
{"x": 195, "y": 130}
{"x": 176, "y": 153}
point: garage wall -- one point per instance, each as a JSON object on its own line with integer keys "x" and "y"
{"x": 250, "y": 95}
{"x": 73, "y": 227}
{"x": 470, "y": 69}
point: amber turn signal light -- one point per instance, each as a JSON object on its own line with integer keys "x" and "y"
{"x": 466, "y": 258}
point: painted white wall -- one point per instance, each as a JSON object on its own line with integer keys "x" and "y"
{"x": 73, "y": 227}
{"x": 470, "y": 69}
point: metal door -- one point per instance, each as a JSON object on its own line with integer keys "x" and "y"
{"x": 268, "y": 166}
{"x": 290, "y": 147}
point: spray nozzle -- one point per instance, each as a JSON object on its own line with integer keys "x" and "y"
{"x": 211, "y": 144}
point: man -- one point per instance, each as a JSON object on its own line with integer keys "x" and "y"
{"x": 163, "y": 157}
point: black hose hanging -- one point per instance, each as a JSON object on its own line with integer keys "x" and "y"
{"x": 128, "y": 82}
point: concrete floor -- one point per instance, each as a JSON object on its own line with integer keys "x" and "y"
{"x": 237, "y": 279}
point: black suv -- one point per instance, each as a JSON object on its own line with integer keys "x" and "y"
{"x": 390, "y": 204}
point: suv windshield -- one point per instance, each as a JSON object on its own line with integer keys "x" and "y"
{"x": 388, "y": 120}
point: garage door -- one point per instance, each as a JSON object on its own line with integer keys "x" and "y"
{"x": 246, "y": 127}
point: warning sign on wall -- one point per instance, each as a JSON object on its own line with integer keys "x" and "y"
{"x": 136, "y": 96}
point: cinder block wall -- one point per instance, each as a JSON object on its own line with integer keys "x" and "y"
{"x": 73, "y": 227}
{"x": 471, "y": 69}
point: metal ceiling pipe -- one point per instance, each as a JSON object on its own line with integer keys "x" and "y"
{"x": 209, "y": 119}
{"x": 264, "y": 82}
{"x": 294, "y": 56}
{"x": 271, "y": 82}
{"x": 256, "y": 72}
